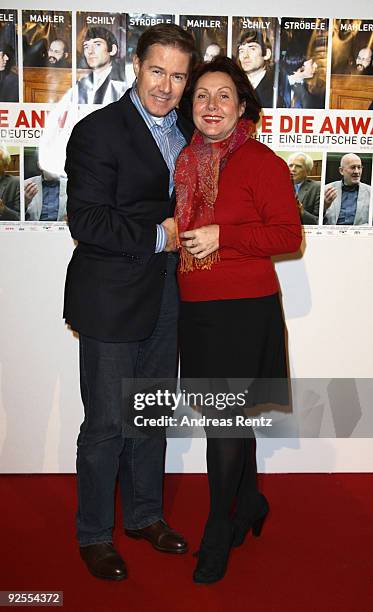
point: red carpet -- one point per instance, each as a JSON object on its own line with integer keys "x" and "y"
{"x": 315, "y": 553}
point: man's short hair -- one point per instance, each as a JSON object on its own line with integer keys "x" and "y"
{"x": 308, "y": 161}
{"x": 5, "y": 154}
{"x": 105, "y": 34}
{"x": 254, "y": 36}
{"x": 343, "y": 158}
{"x": 168, "y": 35}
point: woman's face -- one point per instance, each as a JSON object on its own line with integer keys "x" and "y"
{"x": 306, "y": 71}
{"x": 216, "y": 108}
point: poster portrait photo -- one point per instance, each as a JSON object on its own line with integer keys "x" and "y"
{"x": 100, "y": 55}
{"x": 352, "y": 65}
{"x": 347, "y": 193}
{"x": 44, "y": 193}
{"x": 46, "y": 45}
{"x": 305, "y": 170}
{"x": 9, "y": 183}
{"x": 9, "y": 87}
{"x": 210, "y": 34}
{"x": 303, "y": 63}
{"x": 254, "y": 47}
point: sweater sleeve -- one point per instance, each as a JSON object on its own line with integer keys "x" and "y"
{"x": 279, "y": 230}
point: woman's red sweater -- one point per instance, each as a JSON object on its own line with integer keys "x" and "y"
{"x": 258, "y": 217}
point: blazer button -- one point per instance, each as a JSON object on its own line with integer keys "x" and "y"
{"x": 164, "y": 272}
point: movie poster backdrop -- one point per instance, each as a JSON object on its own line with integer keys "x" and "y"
{"x": 316, "y": 111}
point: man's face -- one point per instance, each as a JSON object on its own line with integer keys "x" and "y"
{"x": 351, "y": 169}
{"x": 297, "y": 169}
{"x": 3, "y": 60}
{"x": 363, "y": 59}
{"x": 56, "y": 52}
{"x": 211, "y": 52}
{"x": 161, "y": 78}
{"x": 251, "y": 57}
{"x": 97, "y": 54}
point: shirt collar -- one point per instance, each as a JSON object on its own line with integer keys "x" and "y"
{"x": 350, "y": 187}
{"x": 168, "y": 121}
{"x": 257, "y": 77}
{"x": 99, "y": 78}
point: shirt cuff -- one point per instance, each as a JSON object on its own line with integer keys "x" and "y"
{"x": 161, "y": 241}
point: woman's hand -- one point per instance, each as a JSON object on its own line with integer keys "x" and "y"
{"x": 202, "y": 241}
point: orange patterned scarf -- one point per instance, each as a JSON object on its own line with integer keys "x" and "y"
{"x": 196, "y": 182}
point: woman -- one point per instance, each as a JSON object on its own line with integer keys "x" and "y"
{"x": 235, "y": 209}
{"x": 299, "y": 84}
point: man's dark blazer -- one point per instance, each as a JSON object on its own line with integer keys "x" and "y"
{"x": 264, "y": 90}
{"x": 118, "y": 190}
{"x": 309, "y": 196}
{"x": 9, "y": 194}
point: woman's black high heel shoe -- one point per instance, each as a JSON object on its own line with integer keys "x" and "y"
{"x": 214, "y": 552}
{"x": 243, "y": 526}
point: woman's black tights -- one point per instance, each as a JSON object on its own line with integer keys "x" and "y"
{"x": 231, "y": 466}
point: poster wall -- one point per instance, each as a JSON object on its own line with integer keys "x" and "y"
{"x": 313, "y": 76}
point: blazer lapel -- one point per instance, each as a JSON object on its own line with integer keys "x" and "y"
{"x": 142, "y": 140}
{"x": 304, "y": 188}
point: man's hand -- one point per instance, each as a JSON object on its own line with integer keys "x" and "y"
{"x": 31, "y": 189}
{"x": 330, "y": 195}
{"x": 300, "y": 206}
{"x": 202, "y": 241}
{"x": 170, "y": 227}
{"x": 2, "y": 206}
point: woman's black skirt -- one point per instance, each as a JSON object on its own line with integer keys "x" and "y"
{"x": 237, "y": 345}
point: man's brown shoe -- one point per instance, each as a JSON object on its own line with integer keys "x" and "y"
{"x": 161, "y": 537}
{"x": 103, "y": 561}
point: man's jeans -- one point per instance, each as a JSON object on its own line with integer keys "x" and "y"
{"x": 104, "y": 450}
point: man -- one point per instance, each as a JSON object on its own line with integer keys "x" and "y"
{"x": 346, "y": 202}
{"x": 254, "y": 55}
{"x": 121, "y": 293}
{"x": 101, "y": 86}
{"x": 212, "y": 50}
{"x": 8, "y": 79}
{"x": 9, "y": 189}
{"x": 47, "y": 197}
{"x": 306, "y": 190}
{"x": 58, "y": 54}
{"x": 363, "y": 61}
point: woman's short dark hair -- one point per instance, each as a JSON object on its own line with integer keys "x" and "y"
{"x": 7, "y": 50}
{"x": 291, "y": 62}
{"x": 245, "y": 90}
{"x": 168, "y": 35}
